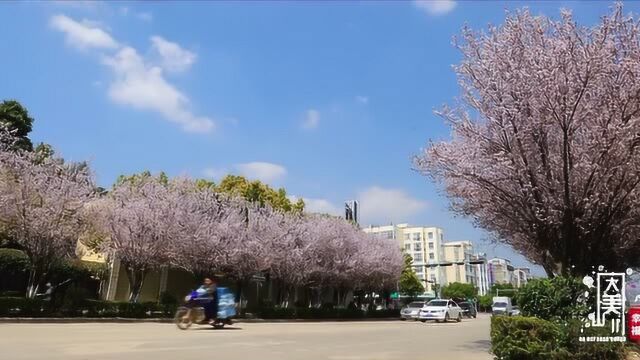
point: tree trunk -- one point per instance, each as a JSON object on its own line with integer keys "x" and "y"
{"x": 136, "y": 281}
{"x": 36, "y": 279}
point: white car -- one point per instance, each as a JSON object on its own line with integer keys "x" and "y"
{"x": 411, "y": 311}
{"x": 440, "y": 310}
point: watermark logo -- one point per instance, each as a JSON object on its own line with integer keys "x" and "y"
{"x": 610, "y": 291}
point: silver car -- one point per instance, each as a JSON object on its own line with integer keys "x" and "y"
{"x": 411, "y": 311}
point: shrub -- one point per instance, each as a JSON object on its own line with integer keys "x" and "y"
{"x": 18, "y": 306}
{"x": 560, "y": 298}
{"x": 528, "y": 338}
{"x": 13, "y": 261}
{"x": 524, "y": 338}
{"x": 590, "y": 350}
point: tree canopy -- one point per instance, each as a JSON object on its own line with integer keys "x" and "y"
{"x": 459, "y": 291}
{"x": 544, "y": 148}
{"x": 410, "y": 285}
{"x": 16, "y": 120}
{"x": 257, "y": 192}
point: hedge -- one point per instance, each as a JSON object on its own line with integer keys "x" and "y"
{"x": 22, "y": 307}
{"x": 530, "y": 338}
{"x": 524, "y": 338}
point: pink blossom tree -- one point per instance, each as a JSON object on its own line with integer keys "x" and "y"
{"x": 208, "y": 226}
{"x": 138, "y": 218}
{"x": 544, "y": 149}
{"x": 41, "y": 207}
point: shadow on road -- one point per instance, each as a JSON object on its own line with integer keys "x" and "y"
{"x": 484, "y": 345}
{"x": 214, "y": 329}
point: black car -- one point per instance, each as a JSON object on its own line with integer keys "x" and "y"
{"x": 468, "y": 309}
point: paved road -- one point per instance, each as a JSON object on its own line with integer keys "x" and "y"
{"x": 468, "y": 340}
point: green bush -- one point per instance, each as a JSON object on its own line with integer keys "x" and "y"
{"x": 524, "y": 338}
{"x": 18, "y": 306}
{"x": 13, "y": 261}
{"x": 572, "y": 330}
{"x": 528, "y": 338}
{"x": 560, "y": 298}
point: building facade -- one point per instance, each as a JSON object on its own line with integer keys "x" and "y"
{"x": 424, "y": 244}
{"x": 457, "y": 258}
{"x": 521, "y": 276}
{"x": 500, "y": 271}
{"x": 479, "y": 261}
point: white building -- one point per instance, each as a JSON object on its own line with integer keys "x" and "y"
{"x": 424, "y": 244}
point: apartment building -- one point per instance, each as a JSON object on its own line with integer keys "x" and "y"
{"x": 457, "y": 258}
{"x": 423, "y": 243}
{"x": 521, "y": 276}
{"x": 500, "y": 271}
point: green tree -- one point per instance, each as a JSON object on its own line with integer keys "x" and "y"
{"x": 257, "y": 192}
{"x": 410, "y": 285}
{"x": 459, "y": 291}
{"x": 485, "y": 302}
{"x": 559, "y": 298}
{"x": 16, "y": 119}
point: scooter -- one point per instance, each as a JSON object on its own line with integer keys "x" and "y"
{"x": 193, "y": 311}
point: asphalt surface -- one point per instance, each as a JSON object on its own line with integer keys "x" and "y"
{"x": 378, "y": 340}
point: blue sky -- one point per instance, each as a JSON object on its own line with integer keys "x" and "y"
{"x": 328, "y": 99}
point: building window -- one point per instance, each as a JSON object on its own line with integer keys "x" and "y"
{"x": 430, "y": 246}
{"x": 416, "y": 236}
{"x": 431, "y": 256}
{"x": 419, "y": 270}
{"x": 417, "y": 257}
{"x": 407, "y": 246}
{"x": 406, "y": 236}
{"x": 417, "y": 246}
{"x": 430, "y": 235}
{"x": 441, "y": 237}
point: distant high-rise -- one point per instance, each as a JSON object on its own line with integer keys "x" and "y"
{"x": 351, "y": 211}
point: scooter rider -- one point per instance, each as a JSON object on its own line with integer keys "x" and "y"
{"x": 210, "y": 299}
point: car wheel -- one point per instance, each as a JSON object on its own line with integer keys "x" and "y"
{"x": 459, "y": 317}
{"x": 474, "y": 315}
{"x": 446, "y": 317}
{"x": 402, "y": 319}
{"x": 423, "y": 320}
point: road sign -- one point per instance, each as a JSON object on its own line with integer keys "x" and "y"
{"x": 395, "y": 295}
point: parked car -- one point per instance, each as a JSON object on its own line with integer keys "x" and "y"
{"x": 515, "y": 311}
{"x": 440, "y": 310}
{"x": 468, "y": 309}
{"x": 411, "y": 311}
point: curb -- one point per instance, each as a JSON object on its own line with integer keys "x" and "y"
{"x": 17, "y": 320}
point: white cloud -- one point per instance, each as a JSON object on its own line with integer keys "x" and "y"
{"x": 143, "y": 86}
{"x": 435, "y": 7}
{"x": 172, "y": 56}
{"x": 321, "y": 206}
{"x": 362, "y": 99}
{"x": 214, "y": 173}
{"x": 145, "y": 16}
{"x": 83, "y": 35}
{"x": 382, "y": 206}
{"x": 263, "y": 171}
{"x": 311, "y": 120}
{"x": 137, "y": 82}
